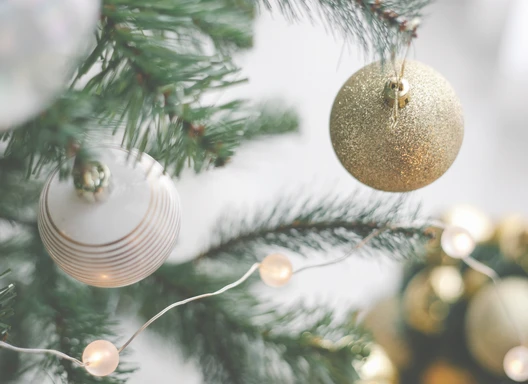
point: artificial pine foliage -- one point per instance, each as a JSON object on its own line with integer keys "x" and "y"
{"x": 151, "y": 66}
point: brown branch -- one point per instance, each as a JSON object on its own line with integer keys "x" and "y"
{"x": 392, "y": 18}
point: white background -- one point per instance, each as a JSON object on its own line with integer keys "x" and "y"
{"x": 480, "y": 46}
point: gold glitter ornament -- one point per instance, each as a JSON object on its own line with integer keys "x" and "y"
{"x": 512, "y": 236}
{"x": 385, "y": 322}
{"x": 407, "y": 155}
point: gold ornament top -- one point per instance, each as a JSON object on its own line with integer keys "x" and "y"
{"x": 402, "y": 87}
{"x": 415, "y": 151}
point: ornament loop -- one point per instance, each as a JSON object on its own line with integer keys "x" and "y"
{"x": 92, "y": 181}
{"x": 400, "y": 87}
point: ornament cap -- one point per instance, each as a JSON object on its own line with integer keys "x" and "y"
{"x": 92, "y": 181}
{"x": 400, "y": 87}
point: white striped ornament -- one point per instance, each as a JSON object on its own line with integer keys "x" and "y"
{"x": 122, "y": 240}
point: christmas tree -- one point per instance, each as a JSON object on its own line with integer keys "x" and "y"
{"x": 147, "y": 86}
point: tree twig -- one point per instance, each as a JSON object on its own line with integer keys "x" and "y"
{"x": 389, "y": 16}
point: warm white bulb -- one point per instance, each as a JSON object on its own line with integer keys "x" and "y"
{"x": 516, "y": 364}
{"x": 276, "y": 270}
{"x": 101, "y": 358}
{"x": 457, "y": 242}
{"x": 479, "y": 224}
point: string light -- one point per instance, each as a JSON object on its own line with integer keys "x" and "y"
{"x": 457, "y": 242}
{"x": 276, "y": 270}
{"x": 101, "y": 358}
{"x": 516, "y": 364}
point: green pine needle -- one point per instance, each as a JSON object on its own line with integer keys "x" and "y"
{"x": 298, "y": 224}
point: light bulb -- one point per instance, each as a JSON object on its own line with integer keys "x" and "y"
{"x": 275, "y": 270}
{"x": 101, "y": 358}
{"x": 479, "y": 224}
{"x": 457, "y": 242}
{"x": 516, "y": 364}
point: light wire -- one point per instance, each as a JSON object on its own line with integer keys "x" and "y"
{"x": 251, "y": 270}
{"x": 495, "y": 279}
{"x": 62, "y": 355}
{"x": 39, "y": 351}
{"x": 471, "y": 262}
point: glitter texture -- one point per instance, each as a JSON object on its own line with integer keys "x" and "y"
{"x": 421, "y": 147}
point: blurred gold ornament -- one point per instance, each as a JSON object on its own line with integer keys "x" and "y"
{"x": 473, "y": 282}
{"x": 428, "y": 298}
{"x": 475, "y": 221}
{"x": 512, "y": 236}
{"x": 396, "y": 154}
{"x": 377, "y": 368}
{"x": 385, "y": 322}
{"x": 491, "y": 326}
{"x": 442, "y": 372}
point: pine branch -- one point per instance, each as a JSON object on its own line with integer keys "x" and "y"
{"x": 55, "y": 312}
{"x": 202, "y": 146}
{"x": 162, "y": 113}
{"x": 303, "y": 223}
{"x": 17, "y": 195}
{"x": 45, "y": 141}
{"x": 328, "y": 346}
{"x": 7, "y": 295}
{"x": 381, "y": 27}
{"x": 227, "y": 334}
{"x": 238, "y": 341}
{"x": 383, "y": 11}
{"x": 145, "y": 80}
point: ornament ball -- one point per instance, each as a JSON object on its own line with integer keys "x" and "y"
{"x": 443, "y": 372}
{"x": 512, "y": 236}
{"x": 491, "y": 325}
{"x": 399, "y": 157}
{"x": 111, "y": 237}
{"x": 41, "y": 43}
{"x": 429, "y": 296}
{"x": 385, "y": 321}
